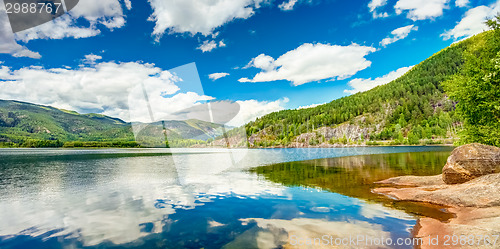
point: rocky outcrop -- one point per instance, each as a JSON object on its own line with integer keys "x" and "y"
{"x": 349, "y": 131}
{"x": 471, "y": 161}
{"x": 323, "y": 136}
{"x": 475, "y": 166}
{"x": 469, "y": 188}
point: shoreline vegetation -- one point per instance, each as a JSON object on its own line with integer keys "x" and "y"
{"x": 93, "y": 144}
{"x": 204, "y": 144}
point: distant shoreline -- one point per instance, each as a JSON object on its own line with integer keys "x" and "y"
{"x": 252, "y": 148}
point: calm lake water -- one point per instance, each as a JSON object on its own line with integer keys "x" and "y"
{"x": 205, "y": 198}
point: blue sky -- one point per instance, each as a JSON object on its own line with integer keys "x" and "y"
{"x": 266, "y": 55}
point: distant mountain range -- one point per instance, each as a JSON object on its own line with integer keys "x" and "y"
{"x": 21, "y": 122}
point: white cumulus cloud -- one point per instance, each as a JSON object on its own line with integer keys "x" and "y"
{"x": 473, "y": 22}
{"x": 264, "y": 62}
{"x": 312, "y": 62}
{"x": 398, "y": 34}
{"x": 128, "y": 4}
{"x": 101, "y": 88}
{"x": 309, "y": 106}
{"x": 252, "y": 109}
{"x": 361, "y": 85}
{"x": 421, "y": 9}
{"x": 285, "y": 6}
{"x": 216, "y": 76}
{"x": 111, "y": 88}
{"x": 198, "y": 16}
{"x": 91, "y": 58}
{"x": 208, "y": 46}
{"x": 462, "y": 3}
{"x": 373, "y": 5}
{"x": 380, "y": 15}
{"x": 8, "y": 44}
{"x": 95, "y": 12}
{"x": 62, "y": 27}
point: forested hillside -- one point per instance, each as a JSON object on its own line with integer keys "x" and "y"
{"x": 44, "y": 126}
{"x": 29, "y": 125}
{"x": 412, "y": 109}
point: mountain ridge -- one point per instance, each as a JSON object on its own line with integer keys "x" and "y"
{"x": 32, "y": 124}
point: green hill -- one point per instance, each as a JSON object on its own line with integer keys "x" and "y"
{"x": 31, "y": 125}
{"x": 412, "y": 109}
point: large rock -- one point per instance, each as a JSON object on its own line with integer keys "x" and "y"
{"x": 471, "y": 161}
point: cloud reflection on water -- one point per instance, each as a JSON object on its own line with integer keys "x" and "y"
{"x": 130, "y": 192}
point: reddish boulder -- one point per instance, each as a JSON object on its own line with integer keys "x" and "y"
{"x": 471, "y": 161}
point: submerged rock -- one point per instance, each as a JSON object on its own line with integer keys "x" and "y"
{"x": 471, "y": 161}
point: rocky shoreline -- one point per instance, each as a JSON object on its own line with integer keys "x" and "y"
{"x": 326, "y": 145}
{"x": 469, "y": 188}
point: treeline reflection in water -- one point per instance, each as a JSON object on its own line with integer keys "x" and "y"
{"x": 354, "y": 176}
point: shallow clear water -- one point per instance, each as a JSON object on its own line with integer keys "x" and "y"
{"x": 195, "y": 198}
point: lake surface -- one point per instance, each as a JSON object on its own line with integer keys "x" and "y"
{"x": 205, "y": 198}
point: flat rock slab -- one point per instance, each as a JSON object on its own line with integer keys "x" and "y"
{"x": 483, "y": 191}
{"x": 475, "y": 204}
{"x": 413, "y": 181}
{"x": 476, "y": 223}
